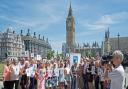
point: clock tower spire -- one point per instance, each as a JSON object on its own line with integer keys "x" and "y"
{"x": 70, "y": 31}
{"x": 70, "y": 10}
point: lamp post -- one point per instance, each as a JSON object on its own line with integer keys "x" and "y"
{"x": 118, "y": 41}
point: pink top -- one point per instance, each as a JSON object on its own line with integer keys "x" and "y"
{"x": 6, "y": 73}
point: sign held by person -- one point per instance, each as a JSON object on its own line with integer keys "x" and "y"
{"x": 32, "y": 55}
{"x": 38, "y": 57}
{"x": 25, "y": 54}
{"x": 75, "y": 58}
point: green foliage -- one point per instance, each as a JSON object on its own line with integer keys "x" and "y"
{"x": 1, "y": 69}
{"x": 93, "y": 54}
{"x": 60, "y": 56}
{"x": 50, "y": 54}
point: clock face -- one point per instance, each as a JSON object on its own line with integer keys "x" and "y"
{"x": 69, "y": 24}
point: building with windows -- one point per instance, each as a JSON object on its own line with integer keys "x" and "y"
{"x": 114, "y": 43}
{"x": 14, "y": 45}
{"x": 35, "y": 44}
{"x": 108, "y": 45}
{"x": 70, "y": 32}
{"x": 11, "y": 44}
{"x": 70, "y": 46}
{"x": 89, "y": 49}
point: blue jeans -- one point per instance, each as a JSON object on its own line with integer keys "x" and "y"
{"x": 54, "y": 82}
{"x": 74, "y": 82}
{"x": 97, "y": 81}
{"x": 32, "y": 84}
{"x": 85, "y": 80}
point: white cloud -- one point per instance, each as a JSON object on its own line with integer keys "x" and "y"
{"x": 57, "y": 45}
{"x": 46, "y": 14}
{"x": 89, "y": 33}
{"x": 102, "y": 23}
{"x": 106, "y": 20}
{"x": 120, "y": 16}
{"x": 19, "y": 21}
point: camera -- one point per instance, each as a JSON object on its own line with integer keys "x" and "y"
{"x": 106, "y": 59}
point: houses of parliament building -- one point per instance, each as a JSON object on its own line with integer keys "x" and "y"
{"x": 71, "y": 46}
{"x": 107, "y": 46}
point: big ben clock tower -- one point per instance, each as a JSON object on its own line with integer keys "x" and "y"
{"x": 70, "y": 31}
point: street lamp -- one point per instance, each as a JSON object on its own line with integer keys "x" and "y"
{"x": 118, "y": 41}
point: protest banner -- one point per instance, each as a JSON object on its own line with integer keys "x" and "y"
{"x": 75, "y": 58}
{"x": 42, "y": 72}
{"x": 28, "y": 72}
{"x": 16, "y": 70}
{"x": 38, "y": 57}
{"x": 25, "y": 54}
{"x": 32, "y": 55}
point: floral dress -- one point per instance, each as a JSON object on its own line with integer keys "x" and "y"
{"x": 41, "y": 78}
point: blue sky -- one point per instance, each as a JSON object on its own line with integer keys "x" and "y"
{"x": 48, "y": 17}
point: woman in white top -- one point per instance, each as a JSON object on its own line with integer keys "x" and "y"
{"x": 102, "y": 74}
{"x": 61, "y": 76}
{"x": 48, "y": 83}
{"x": 67, "y": 76}
{"x": 14, "y": 75}
{"x": 117, "y": 73}
{"x": 55, "y": 75}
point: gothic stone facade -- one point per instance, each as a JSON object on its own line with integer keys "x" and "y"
{"x": 115, "y": 43}
{"x": 123, "y": 43}
{"x": 70, "y": 32}
{"x": 70, "y": 45}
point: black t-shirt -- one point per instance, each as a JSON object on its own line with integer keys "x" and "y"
{"x": 89, "y": 74}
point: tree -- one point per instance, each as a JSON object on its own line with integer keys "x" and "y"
{"x": 50, "y": 54}
{"x": 61, "y": 56}
{"x": 93, "y": 54}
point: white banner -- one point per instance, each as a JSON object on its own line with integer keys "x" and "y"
{"x": 26, "y": 53}
{"x": 32, "y": 55}
{"x": 28, "y": 71}
{"x": 38, "y": 57}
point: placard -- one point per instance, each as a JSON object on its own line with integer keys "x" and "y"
{"x": 38, "y": 57}
{"x": 61, "y": 71}
{"x": 28, "y": 72}
{"x": 56, "y": 71}
{"x": 75, "y": 58}
{"x": 49, "y": 72}
{"x": 42, "y": 72}
{"x": 26, "y": 53}
{"x": 93, "y": 70}
{"x": 32, "y": 55}
{"x": 16, "y": 70}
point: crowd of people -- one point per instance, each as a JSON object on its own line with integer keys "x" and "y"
{"x": 90, "y": 73}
